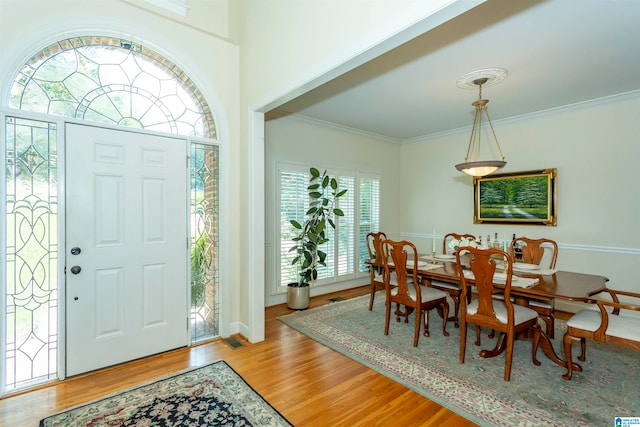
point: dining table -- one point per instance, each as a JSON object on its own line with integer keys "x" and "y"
{"x": 526, "y": 284}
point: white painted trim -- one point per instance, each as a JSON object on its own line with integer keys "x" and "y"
{"x": 224, "y": 250}
{"x": 465, "y": 130}
{"x": 238, "y": 328}
{"x": 621, "y": 97}
{"x": 3, "y": 252}
{"x": 256, "y": 247}
{"x": 176, "y": 6}
{"x": 62, "y": 248}
{"x": 323, "y": 123}
{"x": 570, "y": 246}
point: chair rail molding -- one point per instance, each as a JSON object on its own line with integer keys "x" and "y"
{"x": 569, "y": 246}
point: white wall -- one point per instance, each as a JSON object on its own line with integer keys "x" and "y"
{"x": 595, "y": 148}
{"x": 300, "y": 141}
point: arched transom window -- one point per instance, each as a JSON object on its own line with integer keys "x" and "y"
{"x": 112, "y": 81}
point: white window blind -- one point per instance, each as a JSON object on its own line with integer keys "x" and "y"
{"x": 344, "y": 249}
{"x": 293, "y": 202}
{"x": 369, "y": 214}
{"x": 346, "y": 227}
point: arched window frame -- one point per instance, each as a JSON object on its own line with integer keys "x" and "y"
{"x": 63, "y": 79}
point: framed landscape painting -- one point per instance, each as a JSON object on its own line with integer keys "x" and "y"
{"x": 528, "y": 197}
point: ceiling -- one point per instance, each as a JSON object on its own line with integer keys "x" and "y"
{"x": 556, "y": 53}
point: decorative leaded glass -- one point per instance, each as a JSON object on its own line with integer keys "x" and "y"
{"x": 204, "y": 242}
{"x": 112, "y": 81}
{"x": 32, "y": 258}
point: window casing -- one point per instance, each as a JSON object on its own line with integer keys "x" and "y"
{"x": 346, "y": 250}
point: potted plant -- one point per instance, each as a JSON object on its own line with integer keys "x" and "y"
{"x": 311, "y": 235}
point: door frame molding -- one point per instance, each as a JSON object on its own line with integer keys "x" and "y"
{"x": 223, "y": 223}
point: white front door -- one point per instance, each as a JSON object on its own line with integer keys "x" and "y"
{"x": 126, "y": 246}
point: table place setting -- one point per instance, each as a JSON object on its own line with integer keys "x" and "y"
{"x": 501, "y": 278}
{"x": 533, "y": 269}
{"x": 422, "y": 265}
{"x": 439, "y": 257}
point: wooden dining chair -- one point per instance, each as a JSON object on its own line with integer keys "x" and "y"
{"x": 376, "y": 268}
{"x": 501, "y": 315}
{"x": 456, "y": 236}
{"x": 607, "y": 324}
{"x": 533, "y": 252}
{"x": 409, "y": 291}
{"x": 453, "y": 289}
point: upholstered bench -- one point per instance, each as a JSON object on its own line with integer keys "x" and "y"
{"x": 603, "y": 326}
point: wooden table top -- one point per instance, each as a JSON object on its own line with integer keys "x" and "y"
{"x": 566, "y": 285}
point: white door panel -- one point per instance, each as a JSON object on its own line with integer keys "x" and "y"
{"x": 126, "y": 201}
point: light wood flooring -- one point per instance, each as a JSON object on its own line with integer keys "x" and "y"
{"x": 310, "y": 384}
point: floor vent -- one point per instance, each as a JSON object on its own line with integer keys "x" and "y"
{"x": 336, "y": 299}
{"x": 233, "y": 342}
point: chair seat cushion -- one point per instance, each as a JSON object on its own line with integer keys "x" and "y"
{"x": 520, "y": 314}
{"x": 532, "y": 303}
{"x": 620, "y": 326}
{"x": 541, "y": 304}
{"x": 393, "y": 280}
{"x": 446, "y": 285}
{"x": 427, "y": 293}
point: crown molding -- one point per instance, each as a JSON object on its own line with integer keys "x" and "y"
{"x": 621, "y": 97}
{"x": 611, "y": 99}
{"x": 277, "y": 113}
{"x": 179, "y": 7}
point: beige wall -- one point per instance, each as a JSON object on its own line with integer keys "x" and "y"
{"x": 303, "y": 142}
{"x": 595, "y": 148}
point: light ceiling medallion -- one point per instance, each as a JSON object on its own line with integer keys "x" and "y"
{"x": 473, "y": 165}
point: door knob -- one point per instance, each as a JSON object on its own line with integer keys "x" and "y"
{"x": 76, "y": 269}
{"x": 75, "y": 250}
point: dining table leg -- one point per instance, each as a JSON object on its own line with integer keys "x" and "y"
{"x": 547, "y": 348}
{"x": 545, "y": 344}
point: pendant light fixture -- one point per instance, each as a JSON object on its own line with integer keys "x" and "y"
{"x": 473, "y": 164}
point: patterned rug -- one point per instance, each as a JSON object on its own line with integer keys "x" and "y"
{"x": 213, "y": 395}
{"x": 608, "y": 387}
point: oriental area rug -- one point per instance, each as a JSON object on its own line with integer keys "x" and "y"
{"x": 607, "y": 388}
{"x": 213, "y": 395}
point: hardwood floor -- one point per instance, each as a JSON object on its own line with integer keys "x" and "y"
{"x": 310, "y": 384}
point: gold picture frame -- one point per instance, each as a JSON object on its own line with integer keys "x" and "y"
{"x": 529, "y": 197}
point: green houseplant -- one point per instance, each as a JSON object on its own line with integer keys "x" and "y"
{"x": 312, "y": 234}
